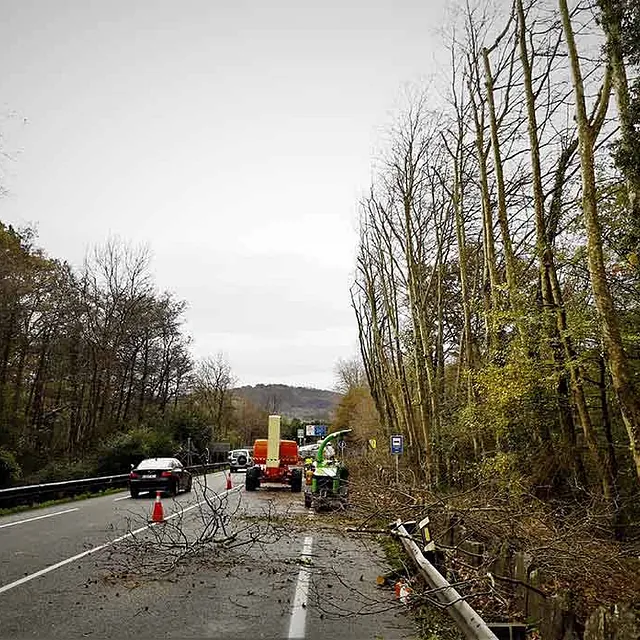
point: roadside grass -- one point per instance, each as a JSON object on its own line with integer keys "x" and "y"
{"x": 51, "y": 503}
{"x": 435, "y": 624}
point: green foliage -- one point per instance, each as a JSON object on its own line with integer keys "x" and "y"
{"x": 512, "y": 398}
{"x": 513, "y": 410}
{"x": 393, "y": 552}
{"x": 125, "y": 449}
{"x": 289, "y": 428}
{"x": 10, "y": 471}
{"x": 62, "y": 331}
{"x": 184, "y": 423}
{"x": 62, "y": 469}
{"x": 501, "y": 469}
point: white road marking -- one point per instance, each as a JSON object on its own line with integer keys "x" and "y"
{"x": 299, "y": 608}
{"x": 88, "y": 552}
{"x": 48, "y": 515}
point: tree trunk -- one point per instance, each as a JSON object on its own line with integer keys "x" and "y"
{"x": 611, "y": 20}
{"x": 625, "y": 389}
{"x": 503, "y": 221}
{"x": 492, "y": 279}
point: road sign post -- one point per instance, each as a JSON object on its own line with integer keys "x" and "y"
{"x": 397, "y": 447}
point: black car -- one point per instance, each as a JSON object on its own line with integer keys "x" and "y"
{"x": 159, "y": 474}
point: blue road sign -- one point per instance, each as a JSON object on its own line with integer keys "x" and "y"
{"x": 321, "y": 430}
{"x": 397, "y": 444}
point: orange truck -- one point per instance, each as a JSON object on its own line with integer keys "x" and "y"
{"x": 276, "y": 461}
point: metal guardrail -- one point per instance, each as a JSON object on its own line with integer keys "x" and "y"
{"x": 36, "y": 493}
{"x": 466, "y": 618}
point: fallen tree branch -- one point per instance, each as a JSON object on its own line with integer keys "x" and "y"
{"x": 518, "y": 582}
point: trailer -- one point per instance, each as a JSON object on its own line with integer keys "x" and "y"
{"x": 276, "y": 461}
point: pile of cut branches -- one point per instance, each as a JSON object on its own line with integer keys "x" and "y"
{"x": 571, "y": 545}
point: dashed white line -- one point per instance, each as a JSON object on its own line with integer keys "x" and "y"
{"x": 122, "y": 498}
{"x": 88, "y": 552}
{"x": 48, "y": 515}
{"x": 299, "y": 608}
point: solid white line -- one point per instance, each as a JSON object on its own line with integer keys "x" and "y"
{"x": 88, "y": 552}
{"x": 299, "y": 608}
{"x": 48, "y": 515}
{"x": 122, "y": 498}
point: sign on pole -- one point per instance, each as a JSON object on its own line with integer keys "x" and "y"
{"x": 311, "y": 429}
{"x": 301, "y": 433}
{"x": 397, "y": 445}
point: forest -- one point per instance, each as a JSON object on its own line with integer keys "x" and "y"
{"x": 96, "y": 370}
{"x": 497, "y": 284}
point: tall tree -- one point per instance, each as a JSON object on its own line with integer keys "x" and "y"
{"x": 621, "y": 375}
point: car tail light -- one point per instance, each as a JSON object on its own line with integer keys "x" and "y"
{"x": 166, "y": 474}
{"x": 133, "y": 474}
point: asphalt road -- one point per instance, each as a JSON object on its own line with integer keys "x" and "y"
{"x": 226, "y": 564}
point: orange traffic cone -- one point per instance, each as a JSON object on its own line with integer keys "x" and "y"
{"x": 229, "y": 483}
{"x": 158, "y": 511}
{"x": 403, "y": 591}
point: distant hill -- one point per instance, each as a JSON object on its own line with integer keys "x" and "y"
{"x": 293, "y": 402}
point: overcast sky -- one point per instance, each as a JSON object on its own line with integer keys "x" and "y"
{"x": 233, "y": 138}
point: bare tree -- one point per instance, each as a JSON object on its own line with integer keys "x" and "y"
{"x": 350, "y": 374}
{"x": 213, "y": 388}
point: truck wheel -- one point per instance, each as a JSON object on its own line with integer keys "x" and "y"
{"x": 251, "y": 480}
{"x": 296, "y": 481}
